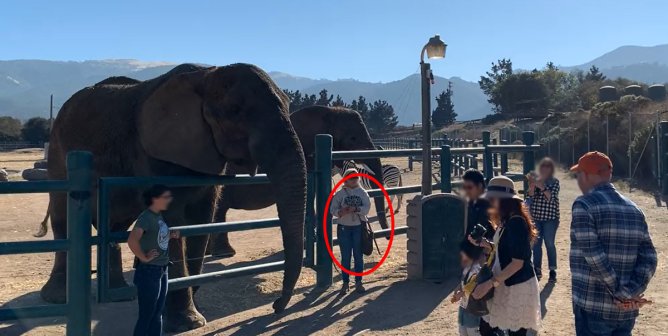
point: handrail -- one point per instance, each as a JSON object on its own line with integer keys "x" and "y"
{"x": 186, "y": 181}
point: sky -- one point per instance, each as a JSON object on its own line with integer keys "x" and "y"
{"x": 368, "y": 40}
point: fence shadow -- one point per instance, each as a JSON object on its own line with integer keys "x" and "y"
{"x": 405, "y": 301}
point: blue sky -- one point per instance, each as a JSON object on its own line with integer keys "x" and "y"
{"x": 363, "y": 39}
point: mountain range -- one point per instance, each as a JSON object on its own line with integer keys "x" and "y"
{"x": 25, "y": 85}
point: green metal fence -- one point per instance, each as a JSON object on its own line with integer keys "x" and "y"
{"x": 444, "y": 154}
{"x": 78, "y": 187}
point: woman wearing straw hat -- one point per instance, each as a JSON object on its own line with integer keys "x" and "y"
{"x": 515, "y": 305}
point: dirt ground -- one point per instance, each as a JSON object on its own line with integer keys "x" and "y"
{"x": 242, "y": 306}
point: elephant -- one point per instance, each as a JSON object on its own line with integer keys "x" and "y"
{"x": 191, "y": 121}
{"x": 348, "y": 132}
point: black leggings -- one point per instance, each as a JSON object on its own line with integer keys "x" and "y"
{"x": 487, "y": 330}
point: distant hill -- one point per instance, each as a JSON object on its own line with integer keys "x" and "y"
{"x": 644, "y": 64}
{"x": 25, "y": 86}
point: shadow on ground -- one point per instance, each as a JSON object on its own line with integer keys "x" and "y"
{"x": 400, "y": 304}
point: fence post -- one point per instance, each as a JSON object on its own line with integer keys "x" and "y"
{"x": 309, "y": 227}
{"x": 323, "y": 167}
{"x": 79, "y": 220}
{"x": 663, "y": 156}
{"x": 504, "y": 159}
{"x": 495, "y": 157}
{"x": 411, "y": 145}
{"x": 487, "y": 163}
{"x": 446, "y": 166}
{"x": 102, "y": 242}
{"x": 529, "y": 165}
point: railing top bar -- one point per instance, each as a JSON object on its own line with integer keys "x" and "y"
{"x": 467, "y": 150}
{"x": 185, "y": 181}
{"x": 376, "y": 154}
{"x": 25, "y": 187}
{"x": 517, "y": 148}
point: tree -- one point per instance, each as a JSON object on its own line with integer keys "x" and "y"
{"x": 522, "y": 93}
{"x": 444, "y": 114}
{"x": 36, "y": 130}
{"x": 381, "y": 117}
{"x": 323, "y": 99}
{"x": 10, "y": 129}
{"x": 339, "y": 102}
{"x": 295, "y": 98}
{"x": 595, "y": 74}
{"x": 489, "y": 84}
{"x": 362, "y": 108}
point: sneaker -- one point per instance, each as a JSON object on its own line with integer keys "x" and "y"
{"x": 359, "y": 289}
{"x": 553, "y": 276}
{"x": 344, "y": 289}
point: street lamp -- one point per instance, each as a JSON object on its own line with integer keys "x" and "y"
{"x": 435, "y": 49}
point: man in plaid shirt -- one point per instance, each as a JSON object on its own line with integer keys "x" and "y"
{"x": 612, "y": 256}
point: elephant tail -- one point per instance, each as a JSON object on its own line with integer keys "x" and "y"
{"x": 43, "y": 227}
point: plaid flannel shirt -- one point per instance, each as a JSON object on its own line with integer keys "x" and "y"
{"x": 540, "y": 207}
{"x": 612, "y": 256}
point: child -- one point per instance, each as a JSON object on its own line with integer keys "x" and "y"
{"x": 149, "y": 242}
{"x": 470, "y": 255}
{"x": 350, "y": 206}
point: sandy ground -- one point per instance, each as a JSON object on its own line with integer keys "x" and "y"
{"x": 242, "y": 306}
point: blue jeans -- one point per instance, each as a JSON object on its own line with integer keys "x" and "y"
{"x": 547, "y": 232}
{"x": 588, "y": 325}
{"x": 350, "y": 242}
{"x": 151, "y": 283}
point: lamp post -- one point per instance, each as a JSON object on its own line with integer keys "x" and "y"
{"x": 435, "y": 49}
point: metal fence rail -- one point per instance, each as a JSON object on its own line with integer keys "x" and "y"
{"x": 78, "y": 243}
{"x": 78, "y": 187}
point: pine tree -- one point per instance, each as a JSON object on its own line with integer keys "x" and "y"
{"x": 339, "y": 102}
{"x": 362, "y": 108}
{"x": 595, "y": 74}
{"x": 444, "y": 114}
{"x": 323, "y": 99}
{"x": 381, "y": 117}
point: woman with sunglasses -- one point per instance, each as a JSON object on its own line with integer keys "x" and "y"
{"x": 515, "y": 304}
{"x": 149, "y": 241}
{"x": 543, "y": 197}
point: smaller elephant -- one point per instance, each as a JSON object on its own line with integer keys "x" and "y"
{"x": 348, "y": 132}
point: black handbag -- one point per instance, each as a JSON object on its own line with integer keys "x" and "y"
{"x": 368, "y": 241}
{"x": 478, "y": 307}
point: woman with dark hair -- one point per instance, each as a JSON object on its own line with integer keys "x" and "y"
{"x": 543, "y": 197}
{"x": 515, "y": 304}
{"x": 149, "y": 241}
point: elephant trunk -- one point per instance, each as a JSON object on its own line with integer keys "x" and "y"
{"x": 283, "y": 160}
{"x": 377, "y": 169}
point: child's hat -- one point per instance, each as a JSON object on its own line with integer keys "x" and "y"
{"x": 350, "y": 171}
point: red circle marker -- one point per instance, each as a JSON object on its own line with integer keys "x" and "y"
{"x": 324, "y": 225}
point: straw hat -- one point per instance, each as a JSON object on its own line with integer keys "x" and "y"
{"x": 501, "y": 187}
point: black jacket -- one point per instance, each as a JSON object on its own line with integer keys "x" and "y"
{"x": 478, "y": 213}
{"x": 514, "y": 244}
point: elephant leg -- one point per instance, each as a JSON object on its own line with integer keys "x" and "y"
{"x": 54, "y": 289}
{"x": 199, "y": 212}
{"x": 219, "y": 242}
{"x": 180, "y": 311}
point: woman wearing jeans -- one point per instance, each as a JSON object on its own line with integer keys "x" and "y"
{"x": 350, "y": 206}
{"x": 543, "y": 197}
{"x": 149, "y": 240}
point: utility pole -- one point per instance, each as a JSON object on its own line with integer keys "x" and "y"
{"x": 51, "y": 114}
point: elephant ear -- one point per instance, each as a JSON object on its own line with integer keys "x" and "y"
{"x": 172, "y": 126}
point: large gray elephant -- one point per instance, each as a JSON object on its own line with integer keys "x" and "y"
{"x": 191, "y": 121}
{"x": 348, "y": 132}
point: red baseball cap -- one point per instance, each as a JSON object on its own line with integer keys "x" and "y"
{"x": 595, "y": 163}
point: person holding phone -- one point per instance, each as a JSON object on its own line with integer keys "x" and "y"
{"x": 149, "y": 241}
